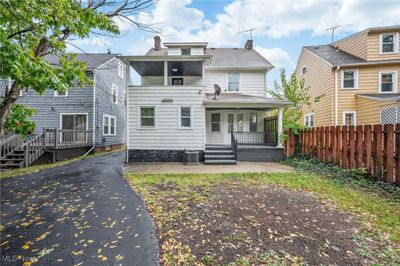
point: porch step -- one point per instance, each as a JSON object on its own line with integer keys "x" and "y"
{"x": 217, "y": 147}
{"x": 218, "y": 157}
{"x": 219, "y": 161}
{"x": 219, "y": 154}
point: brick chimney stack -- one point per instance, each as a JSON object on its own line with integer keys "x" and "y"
{"x": 157, "y": 43}
{"x": 249, "y": 44}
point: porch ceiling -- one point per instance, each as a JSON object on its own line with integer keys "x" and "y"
{"x": 242, "y": 101}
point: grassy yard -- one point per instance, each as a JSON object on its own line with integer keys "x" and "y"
{"x": 244, "y": 219}
{"x": 40, "y": 167}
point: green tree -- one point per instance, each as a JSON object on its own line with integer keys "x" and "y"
{"x": 32, "y": 29}
{"x": 19, "y": 120}
{"x": 294, "y": 90}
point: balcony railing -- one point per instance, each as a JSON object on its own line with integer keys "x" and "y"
{"x": 267, "y": 138}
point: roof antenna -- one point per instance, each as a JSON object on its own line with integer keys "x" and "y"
{"x": 333, "y": 31}
{"x": 250, "y": 31}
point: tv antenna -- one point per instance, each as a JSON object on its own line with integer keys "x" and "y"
{"x": 333, "y": 31}
{"x": 249, "y": 31}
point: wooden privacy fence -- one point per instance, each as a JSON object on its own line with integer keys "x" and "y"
{"x": 373, "y": 147}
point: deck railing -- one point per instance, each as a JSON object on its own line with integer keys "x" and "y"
{"x": 67, "y": 138}
{"x": 267, "y": 138}
{"x": 33, "y": 149}
{"x": 10, "y": 144}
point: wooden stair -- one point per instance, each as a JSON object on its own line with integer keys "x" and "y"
{"x": 219, "y": 154}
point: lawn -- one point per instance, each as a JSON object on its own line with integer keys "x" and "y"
{"x": 286, "y": 218}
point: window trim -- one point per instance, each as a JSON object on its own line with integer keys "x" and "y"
{"x": 302, "y": 69}
{"x": 120, "y": 71}
{"x": 220, "y": 122}
{"x": 109, "y": 125}
{"x": 57, "y": 95}
{"x": 395, "y": 81}
{"x": 355, "y": 87}
{"x": 180, "y": 117}
{"x": 227, "y": 82}
{"x": 395, "y": 43}
{"x": 140, "y": 117}
{"x": 349, "y": 112}
{"x": 113, "y": 86}
{"x": 309, "y": 115}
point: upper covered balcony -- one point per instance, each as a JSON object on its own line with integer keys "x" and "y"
{"x": 171, "y": 72}
{"x": 177, "y": 64}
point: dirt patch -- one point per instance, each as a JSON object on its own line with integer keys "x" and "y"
{"x": 247, "y": 224}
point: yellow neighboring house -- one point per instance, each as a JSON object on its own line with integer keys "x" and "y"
{"x": 359, "y": 75}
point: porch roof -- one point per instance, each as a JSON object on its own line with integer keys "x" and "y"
{"x": 240, "y": 100}
{"x": 381, "y": 96}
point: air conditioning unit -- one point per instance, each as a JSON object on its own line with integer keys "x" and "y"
{"x": 192, "y": 157}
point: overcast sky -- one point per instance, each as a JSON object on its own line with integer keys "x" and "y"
{"x": 283, "y": 26}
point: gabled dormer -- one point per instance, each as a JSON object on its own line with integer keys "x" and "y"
{"x": 185, "y": 48}
{"x": 373, "y": 44}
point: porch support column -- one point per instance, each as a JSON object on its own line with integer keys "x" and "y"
{"x": 280, "y": 126}
{"x": 165, "y": 73}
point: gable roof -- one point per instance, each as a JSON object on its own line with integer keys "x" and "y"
{"x": 92, "y": 60}
{"x": 334, "y": 56}
{"x": 227, "y": 57}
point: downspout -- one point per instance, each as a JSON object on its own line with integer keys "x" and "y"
{"x": 336, "y": 95}
{"x": 94, "y": 116}
{"x": 127, "y": 77}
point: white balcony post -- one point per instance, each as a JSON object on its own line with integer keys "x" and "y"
{"x": 280, "y": 126}
{"x": 165, "y": 73}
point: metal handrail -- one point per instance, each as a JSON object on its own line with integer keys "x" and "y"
{"x": 266, "y": 138}
{"x": 234, "y": 145}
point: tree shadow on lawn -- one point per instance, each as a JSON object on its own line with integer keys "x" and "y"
{"x": 233, "y": 222}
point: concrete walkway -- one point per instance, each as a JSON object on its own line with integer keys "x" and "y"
{"x": 241, "y": 167}
{"x": 83, "y": 213}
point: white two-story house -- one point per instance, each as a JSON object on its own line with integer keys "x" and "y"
{"x": 177, "y": 108}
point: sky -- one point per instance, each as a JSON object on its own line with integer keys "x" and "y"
{"x": 282, "y": 27}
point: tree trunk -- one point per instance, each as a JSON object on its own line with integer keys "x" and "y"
{"x": 9, "y": 99}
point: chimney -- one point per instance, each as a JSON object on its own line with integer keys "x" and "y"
{"x": 157, "y": 42}
{"x": 249, "y": 44}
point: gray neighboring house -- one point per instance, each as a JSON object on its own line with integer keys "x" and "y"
{"x": 99, "y": 107}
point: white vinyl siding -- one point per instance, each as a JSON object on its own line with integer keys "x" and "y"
{"x": 251, "y": 82}
{"x": 167, "y": 135}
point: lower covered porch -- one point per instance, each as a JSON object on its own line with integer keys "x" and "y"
{"x": 248, "y": 125}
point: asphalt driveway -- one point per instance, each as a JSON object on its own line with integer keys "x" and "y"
{"x": 83, "y": 213}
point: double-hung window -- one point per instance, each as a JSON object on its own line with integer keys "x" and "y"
{"x": 147, "y": 116}
{"x": 388, "y": 82}
{"x": 349, "y": 79}
{"x": 349, "y": 118}
{"x": 114, "y": 93}
{"x": 186, "y": 117}
{"x": 388, "y": 43}
{"x": 61, "y": 93}
{"x": 109, "y": 125}
{"x": 215, "y": 122}
{"x": 309, "y": 120}
{"x": 120, "y": 70}
{"x": 233, "y": 81}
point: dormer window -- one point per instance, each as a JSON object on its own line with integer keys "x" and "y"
{"x": 388, "y": 43}
{"x": 185, "y": 51}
